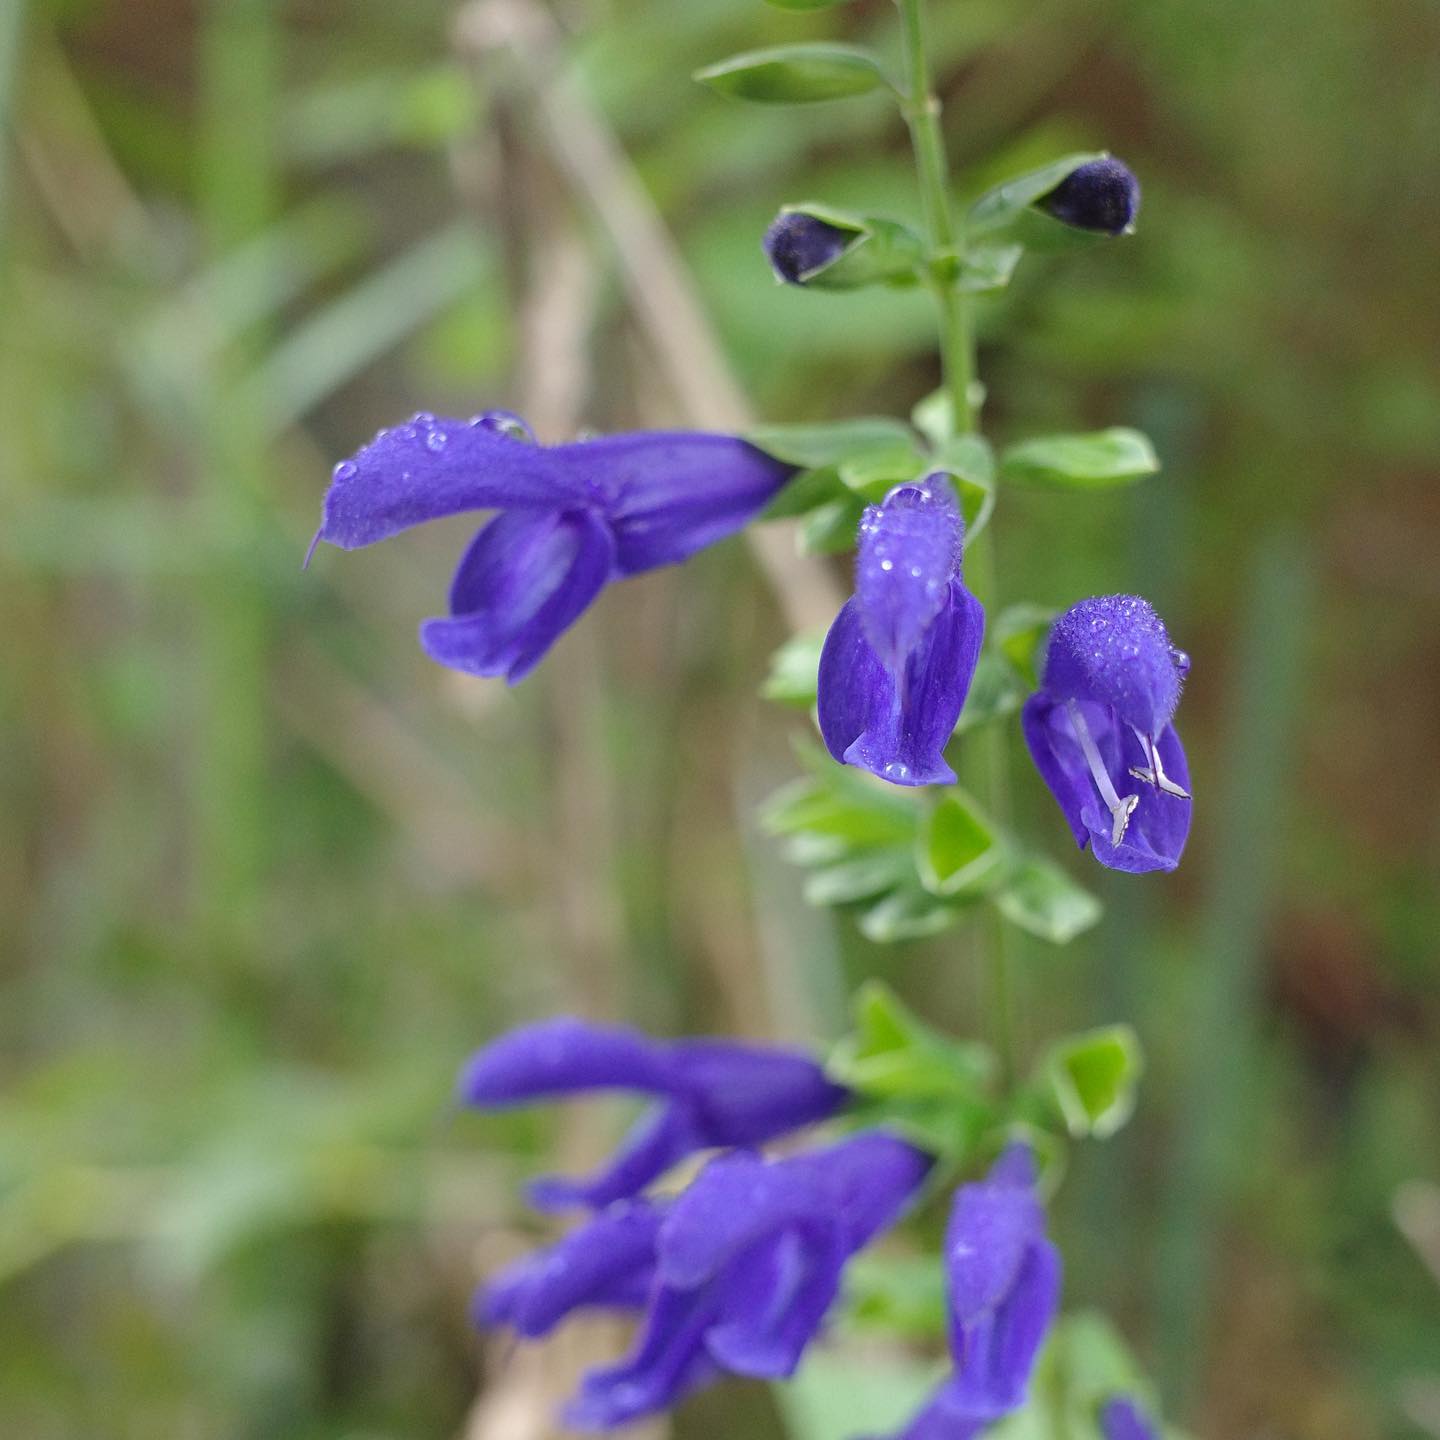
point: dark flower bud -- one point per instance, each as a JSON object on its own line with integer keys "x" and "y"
{"x": 1101, "y": 195}
{"x": 797, "y": 245}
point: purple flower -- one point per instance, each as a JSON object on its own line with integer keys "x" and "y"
{"x": 898, "y": 661}
{"x": 1122, "y": 1419}
{"x": 750, "y": 1259}
{"x": 572, "y": 517}
{"x": 1100, "y": 733}
{"x": 797, "y": 245}
{"x": 1102, "y": 195}
{"x": 608, "y": 1262}
{"x": 1003, "y": 1278}
{"x": 715, "y": 1093}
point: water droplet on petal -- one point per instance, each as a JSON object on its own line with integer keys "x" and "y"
{"x": 346, "y": 470}
{"x": 435, "y": 441}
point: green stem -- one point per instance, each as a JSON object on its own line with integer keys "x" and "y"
{"x": 957, "y": 355}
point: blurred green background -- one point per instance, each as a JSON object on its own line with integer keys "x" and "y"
{"x": 267, "y": 875}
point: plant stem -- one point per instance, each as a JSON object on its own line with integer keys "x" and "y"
{"x": 957, "y": 355}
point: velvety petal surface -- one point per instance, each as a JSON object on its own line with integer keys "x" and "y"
{"x": 907, "y": 555}
{"x": 747, "y": 1094}
{"x": 659, "y": 1141}
{"x": 871, "y": 1177}
{"x": 434, "y": 466}
{"x": 669, "y": 494}
{"x": 1122, "y": 1419}
{"x": 609, "y": 1261}
{"x": 524, "y": 580}
{"x": 1160, "y": 824}
{"x": 993, "y": 1225}
{"x": 897, "y": 728}
{"x": 1115, "y": 650}
{"x": 563, "y": 1056}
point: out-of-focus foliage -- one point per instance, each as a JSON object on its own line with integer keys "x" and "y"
{"x": 266, "y": 875}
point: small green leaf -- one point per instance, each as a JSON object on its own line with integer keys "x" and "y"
{"x": 805, "y": 4}
{"x": 988, "y": 267}
{"x": 851, "y": 815}
{"x": 960, "y": 853}
{"x": 1020, "y": 633}
{"x": 860, "y": 877}
{"x": 872, "y": 476}
{"x": 795, "y": 74}
{"x": 804, "y": 492}
{"x": 996, "y": 692}
{"x": 907, "y": 913}
{"x": 828, "y": 442}
{"x": 794, "y": 670}
{"x": 835, "y": 1394}
{"x": 1081, "y": 462}
{"x": 1092, "y": 1079}
{"x": 998, "y": 207}
{"x": 1042, "y": 899}
{"x": 832, "y": 527}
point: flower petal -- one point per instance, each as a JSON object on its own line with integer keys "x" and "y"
{"x": 993, "y": 1223}
{"x": 608, "y": 1261}
{"x": 523, "y": 581}
{"x": 939, "y": 1420}
{"x": 667, "y": 1363}
{"x": 1159, "y": 825}
{"x": 997, "y": 1353}
{"x": 1122, "y": 1419}
{"x": 909, "y": 551}
{"x": 747, "y": 1094}
{"x": 659, "y": 1141}
{"x": 871, "y": 1178}
{"x": 1115, "y": 650}
{"x": 669, "y": 494}
{"x": 777, "y": 1296}
{"x": 561, "y": 1057}
{"x": 432, "y": 467}
{"x": 899, "y": 732}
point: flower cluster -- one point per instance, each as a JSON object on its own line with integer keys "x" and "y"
{"x": 572, "y": 518}
{"x": 736, "y": 1274}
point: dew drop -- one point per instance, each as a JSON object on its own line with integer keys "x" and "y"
{"x": 346, "y": 470}
{"x": 435, "y": 441}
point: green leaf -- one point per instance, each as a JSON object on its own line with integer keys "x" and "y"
{"x": 960, "y": 853}
{"x": 805, "y": 4}
{"x": 1081, "y": 462}
{"x": 860, "y": 877}
{"x": 828, "y": 442}
{"x": 996, "y": 692}
{"x": 804, "y": 492}
{"x": 835, "y": 1395}
{"x": 872, "y": 476}
{"x": 795, "y": 74}
{"x": 988, "y": 267}
{"x": 908, "y": 913}
{"x": 1000, "y": 206}
{"x": 1092, "y": 1079}
{"x": 1042, "y": 899}
{"x": 891, "y": 1054}
{"x": 794, "y": 670}
{"x": 1019, "y": 633}
{"x": 832, "y": 527}
{"x": 902, "y": 1295}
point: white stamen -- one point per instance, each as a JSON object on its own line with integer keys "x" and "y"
{"x": 1120, "y": 810}
{"x": 1155, "y": 775}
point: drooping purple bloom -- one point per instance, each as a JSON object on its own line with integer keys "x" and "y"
{"x": 1003, "y": 1282}
{"x": 899, "y": 658}
{"x": 750, "y": 1259}
{"x": 1122, "y": 1419}
{"x": 1100, "y": 733}
{"x": 607, "y": 1262}
{"x": 572, "y": 518}
{"x": 1101, "y": 195}
{"x": 797, "y": 245}
{"x": 715, "y": 1093}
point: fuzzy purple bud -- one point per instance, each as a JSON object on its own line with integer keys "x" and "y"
{"x": 1102, "y": 195}
{"x": 797, "y": 245}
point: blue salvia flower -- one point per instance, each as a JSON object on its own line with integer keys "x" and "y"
{"x": 572, "y": 518}
{"x": 715, "y": 1093}
{"x": 798, "y": 245}
{"x": 1100, "y": 195}
{"x": 749, "y": 1260}
{"x": 899, "y": 658}
{"x": 1100, "y": 732}
{"x": 1122, "y": 1419}
{"x": 1003, "y": 1287}
{"x": 607, "y": 1262}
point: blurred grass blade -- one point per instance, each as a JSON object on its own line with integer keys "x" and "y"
{"x": 1247, "y": 816}
{"x": 339, "y": 341}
